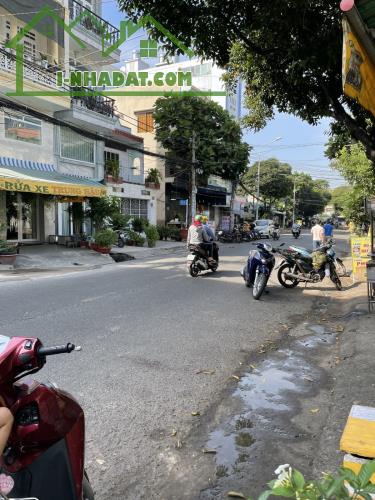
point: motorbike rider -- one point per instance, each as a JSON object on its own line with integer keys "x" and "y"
{"x": 211, "y": 234}
{"x": 296, "y": 228}
{"x": 197, "y": 236}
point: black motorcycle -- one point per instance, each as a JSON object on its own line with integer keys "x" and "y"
{"x": 301, "y": 266}
{"x": 197, "y": 260}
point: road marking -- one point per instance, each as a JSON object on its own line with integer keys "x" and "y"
{"x": 98, "y": 297}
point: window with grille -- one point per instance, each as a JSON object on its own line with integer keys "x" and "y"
{"x": 135, "y": 208}
{"x": 76, "y": 147}
{"x": 23, "y": 128}
{"x": 29, "y": 44}
{"x": 145, "y": 122}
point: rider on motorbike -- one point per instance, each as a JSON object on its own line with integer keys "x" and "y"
{"x": 197, "y": 236}
{"x": 296, "y": 228}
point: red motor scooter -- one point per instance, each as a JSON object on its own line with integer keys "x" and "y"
{"x": 44, "y": 458}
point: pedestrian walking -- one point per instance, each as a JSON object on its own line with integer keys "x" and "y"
{"x": 328, "y": 231}
{"x": 317, "y": 232}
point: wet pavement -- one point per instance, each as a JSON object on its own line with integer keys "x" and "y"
{"x": 267, "y": 399}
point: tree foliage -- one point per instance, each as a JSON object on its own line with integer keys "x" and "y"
{"x": 218, "y": 137}
{"x": 357, "y": 169}
{"x": 339, "y": 196}
{"x": 275, "y": 180}
{"x": 288, "y": 53}
{"x": 312, "y": 195}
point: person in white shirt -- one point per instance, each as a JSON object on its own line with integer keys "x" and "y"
{"x": 317, "y": 232}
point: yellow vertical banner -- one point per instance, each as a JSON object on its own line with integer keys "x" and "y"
{"x": 358, "y": 72}
{"x": 361, "y": 248}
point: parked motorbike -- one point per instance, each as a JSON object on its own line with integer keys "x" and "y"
{"x": 301, "y": 266}
{"x": 121, "y": 239}
{"x": 225, "y": 237}
{"x": 258, "y": 268}
{"x": 44, "y": 458}
{"x": 197, "y": 260}
{"x": 296, "y": 232}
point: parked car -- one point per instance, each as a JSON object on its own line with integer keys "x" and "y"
{"x": 264, "y": 227}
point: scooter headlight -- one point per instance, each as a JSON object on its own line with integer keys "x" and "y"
{"x": 264, "y": 261}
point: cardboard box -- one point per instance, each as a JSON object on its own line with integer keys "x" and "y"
{"x": 358, "y": 437}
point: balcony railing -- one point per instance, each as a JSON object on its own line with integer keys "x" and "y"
{"x": 93, "y": 23}
{"x": 31, "y": 70}
{"x": 47, "y": 76}
{"x": 100, "y": 104}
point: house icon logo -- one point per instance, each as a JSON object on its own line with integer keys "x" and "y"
{"x": 131, "y": 84}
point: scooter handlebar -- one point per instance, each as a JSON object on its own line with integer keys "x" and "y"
{"x": 63, "y": 349}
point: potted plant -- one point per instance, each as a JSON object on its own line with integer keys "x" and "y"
{"x": 164, "y": 232}
{"x": 43, "y": 60}
{"x": 152, "y": 235}
{"x": 104, "y": 240}
{"x": 8, "y": 253}
{"x": 153, "y": 179}
{"x": 112, "y": 168}
{"x": 139, "y": 224}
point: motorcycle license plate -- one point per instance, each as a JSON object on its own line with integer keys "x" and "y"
{"x": 190, "y": 257}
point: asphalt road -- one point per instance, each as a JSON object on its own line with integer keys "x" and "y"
{"x": 146, "y": 329}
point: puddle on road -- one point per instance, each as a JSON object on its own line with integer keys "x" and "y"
{"x": 268, "y": 398}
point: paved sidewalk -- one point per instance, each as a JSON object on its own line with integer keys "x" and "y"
{"x": 161, "y": 248}
{"x": 56, "y": 258}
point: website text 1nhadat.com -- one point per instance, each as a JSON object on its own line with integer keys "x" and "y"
{"x": 105, "y": 79}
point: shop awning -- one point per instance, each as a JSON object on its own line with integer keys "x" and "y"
{"x": 47, "y": 182}
{"x": 212, "y": 195}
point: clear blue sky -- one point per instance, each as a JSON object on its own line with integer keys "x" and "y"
{"x": 301, "y": 144}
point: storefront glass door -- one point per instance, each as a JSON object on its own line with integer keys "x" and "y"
{"x": 12, "y": 216}
{"x": 29, "y": 216}
{"x": 22, "y": 216}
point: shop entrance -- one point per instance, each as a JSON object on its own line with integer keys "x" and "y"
{"x": 22, "y": 214}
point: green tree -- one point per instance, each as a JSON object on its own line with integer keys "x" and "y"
{"x": 288, "y": 53}
{"x": 312, "y": 195}
{"x": 218, "y": 137}
{"x": 102, "y": 210}
{"x": 275, "y": 180}
{"x": 340, "y": 196}
{"x": 353, "y": 164}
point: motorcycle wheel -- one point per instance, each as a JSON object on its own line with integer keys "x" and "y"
{"x": 340, "y": 267}
{"x": 259, "y": 285}
{"x": 88, "y": 493}
{"x": 286, "y": 282}
{"x": 214, "y": 267}
{"x": 193, "y": 270}
{"x": 120, "y": 243}
{"x": 336, "y": 280}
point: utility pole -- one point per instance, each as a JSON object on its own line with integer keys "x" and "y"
{"x": 193, "y": 201}
{"x": 258, "y": 190}
{"x": 294, "y": 201}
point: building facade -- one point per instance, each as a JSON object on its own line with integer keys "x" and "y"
{"x": 214, "y": 198}
{"x": 56, "y": 150}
